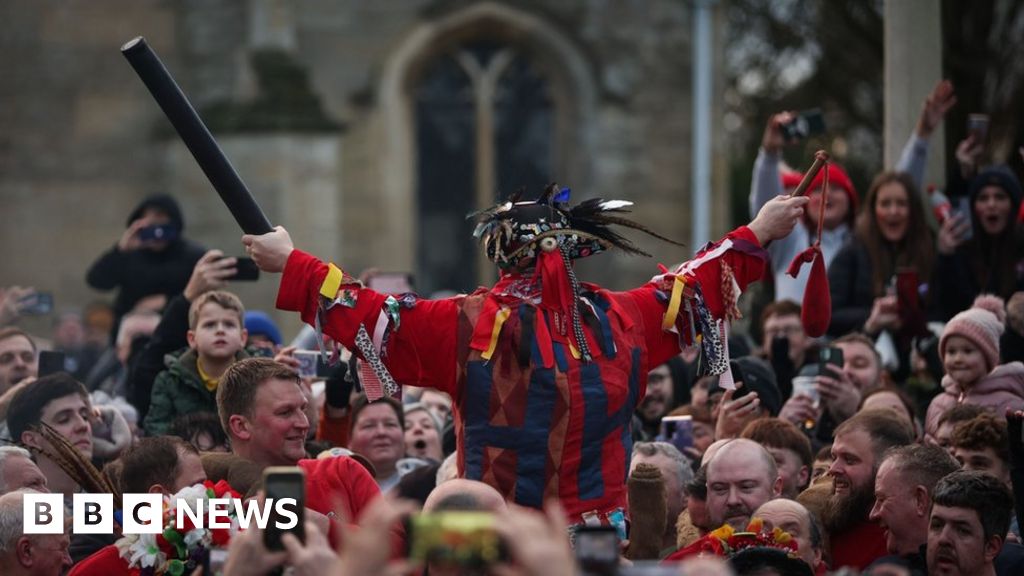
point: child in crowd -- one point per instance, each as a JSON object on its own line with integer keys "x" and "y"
{"x": 216, "y": 338}
{"x": 969, "y": 349}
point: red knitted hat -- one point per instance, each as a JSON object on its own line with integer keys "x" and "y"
{"x": 836, "y": 177}
{"x": 982, "y": 325}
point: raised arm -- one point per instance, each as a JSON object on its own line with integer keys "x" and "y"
{"x": 415, "y": 338}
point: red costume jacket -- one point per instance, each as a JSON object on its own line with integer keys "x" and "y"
{"x": 532, "y": 419}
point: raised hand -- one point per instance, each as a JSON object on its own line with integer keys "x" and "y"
{"x": 778, "y": 217}
{"x": 935, "y": 107}
{"x": 270, "y": 251}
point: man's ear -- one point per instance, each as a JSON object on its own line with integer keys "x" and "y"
{"x": 804, "y": 477}
{"x": 922, "y": 501}
{"x": 992, "y": 547}
{"x": 191, "y": 337}
{"x": 23, "y": 551}
{"x": 32, "y": 439}
{"x": 238, "y": 427}
{"x": 777, "y": 487}
{"x": 158, "y": 489}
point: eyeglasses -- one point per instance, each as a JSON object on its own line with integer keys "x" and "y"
{"x": 783, "y": 331}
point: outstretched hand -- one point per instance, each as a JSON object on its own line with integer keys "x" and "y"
{"x": 270, "y": 251}
{"x": 778, "y": 217}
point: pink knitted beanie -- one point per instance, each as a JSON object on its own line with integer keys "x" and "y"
{"x": 982, "y": 325}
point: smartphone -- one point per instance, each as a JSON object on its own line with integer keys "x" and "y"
{"x": 50, "y": 362}
{"x": 391, "y": 282}
{"x": 963, "y": 209}
{"x": 247, "y": 271}
{"x": 455, "y": 539}
{"x": 309, "y": 361}
{"x": 909, "y": 303}
{"x": 36, "y": 304}
{"x": 831, "y": 355}
{"x": 806, "y": 124}
{"x": 678, "y": 430}
{"x": 164, "y": 232}
{"x": 597, "y": 549}
{"x": 977, "y": 126}
{"x": 284, "y": 482}
{"x": 214, "y": 560}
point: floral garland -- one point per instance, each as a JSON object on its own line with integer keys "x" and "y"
{"x": 726, "y": 541}
{"x": 179, "y": 550}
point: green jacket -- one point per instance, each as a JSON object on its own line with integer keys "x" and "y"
{"x": 179, "y": 390}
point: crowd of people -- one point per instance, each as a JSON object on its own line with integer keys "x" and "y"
{"x": 558, "y": 427}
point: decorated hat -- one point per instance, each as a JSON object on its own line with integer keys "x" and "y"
{"x": 514, "y": 232}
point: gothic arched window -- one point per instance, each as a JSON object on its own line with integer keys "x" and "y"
{"x": 485, "y": 126}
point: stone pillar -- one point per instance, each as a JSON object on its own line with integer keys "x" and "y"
{"x": 913, "y": 65}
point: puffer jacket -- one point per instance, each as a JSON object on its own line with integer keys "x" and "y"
{"x": 1002, "y": 388}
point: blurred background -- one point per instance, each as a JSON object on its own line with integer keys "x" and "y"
{"x": 370, "y": 129}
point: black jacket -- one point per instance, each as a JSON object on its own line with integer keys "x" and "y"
{"x": 142, "y": 273}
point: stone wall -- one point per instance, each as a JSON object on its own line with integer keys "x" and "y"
{"x": 81, "y": 141}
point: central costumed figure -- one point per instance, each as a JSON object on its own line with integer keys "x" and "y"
{"x": 544, "y": 371}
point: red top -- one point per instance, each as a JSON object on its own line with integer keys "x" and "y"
{"x": 533, "y": 421}
{"x": 859, "y": 546}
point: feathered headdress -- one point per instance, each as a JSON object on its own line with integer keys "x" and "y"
{"x": 512, "y": 232}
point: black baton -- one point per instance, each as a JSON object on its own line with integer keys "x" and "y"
{"x": 196, "y": 137}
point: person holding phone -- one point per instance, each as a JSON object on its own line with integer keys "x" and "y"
{"x": 892, "y": 233}
{"x": 151, "y": 257}
{"x": 771, "y": 179}
{"x": 981, "y": 249}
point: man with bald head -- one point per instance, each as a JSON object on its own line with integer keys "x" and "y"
{"x": 463, "y": 494}
{"x": 742, "y": 476}
{"x": 791, "y": 516}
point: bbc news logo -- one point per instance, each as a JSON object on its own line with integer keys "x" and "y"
{"x": 144, "y": 513}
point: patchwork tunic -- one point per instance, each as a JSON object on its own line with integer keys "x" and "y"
{"x": 533, "y": 419}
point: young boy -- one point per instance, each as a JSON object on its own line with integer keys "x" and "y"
{"x": 216, "y": 337}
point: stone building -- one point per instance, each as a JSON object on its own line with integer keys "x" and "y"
{"x": 368, "y": 128}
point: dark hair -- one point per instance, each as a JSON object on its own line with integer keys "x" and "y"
{"x": 824, "y": 453}
{"x": 884, "y": 427}
{"x": 961, "y": 413}
{"x": 698, "y": 487}
{"x": 917, "y": 247}
{"x": 981, "y": 432}
{"x": 779, "y": 308}
{"x": 236, "y": 392}
{"x": 778, "y": 433}
{"x": 993, "y": 259}
{"x": 190, "y": 426}
{"x": 981, "y": 492}
{"x": 922, "y": 464}
{"x": 153, "y": 460}
{"x": 758, "y": 559}
{"x": 362, "y": 402}
{"x": 27, "y": 406}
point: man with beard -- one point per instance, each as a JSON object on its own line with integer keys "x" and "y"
{"x": 857, "y": 453}
{"x": 969, "y": 519}
{"x": 666, "y": 389}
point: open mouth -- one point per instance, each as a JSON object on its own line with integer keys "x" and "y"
{"x": 420, "y": 445}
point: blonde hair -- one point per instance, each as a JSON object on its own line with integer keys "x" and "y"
{"x": 222, "y": 298}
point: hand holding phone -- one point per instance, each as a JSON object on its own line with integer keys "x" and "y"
{"x": 456, "y": 539}
{"x": 246, "y": 270}
{"x": 803, "y": 125}
{"x": 36, "y": 304}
